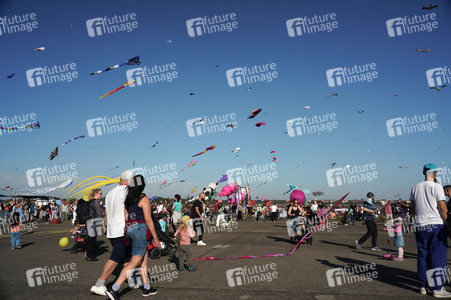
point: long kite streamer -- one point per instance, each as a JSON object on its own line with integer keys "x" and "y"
{"x": 282, "y": 254}
{"x": 125, "y": 84}
{"x": 132, "y": 61}
{"x": 206, "y": 149}
{"x": 75, "y": 138}
{"x": 88, "y": 185}
{"x": 29, "y": 125}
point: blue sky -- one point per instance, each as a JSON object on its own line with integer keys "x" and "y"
{"x": 261, "y": 38}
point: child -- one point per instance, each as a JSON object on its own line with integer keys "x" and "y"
{"x": 183, "y": 234}
{"x": 399, "y": 239}
{"x": 15, "y": 231}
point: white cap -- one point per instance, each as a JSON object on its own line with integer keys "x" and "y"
{"x": 126, "y": 175}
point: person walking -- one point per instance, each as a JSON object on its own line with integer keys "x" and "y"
{"x": 369, "y": 216}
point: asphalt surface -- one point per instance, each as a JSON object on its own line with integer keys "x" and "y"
{"x": 304, "y": 274}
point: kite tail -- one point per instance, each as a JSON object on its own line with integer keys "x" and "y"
{"x": 89, "y": 185}
{"x": 294, "y": 248}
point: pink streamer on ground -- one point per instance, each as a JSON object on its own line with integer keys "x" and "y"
{"x": 294, "y": 248}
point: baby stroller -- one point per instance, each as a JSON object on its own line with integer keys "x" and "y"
{"x": 300, "y": 229}
{"x": 79, "y": 235}
{"x": 168, "y": 246}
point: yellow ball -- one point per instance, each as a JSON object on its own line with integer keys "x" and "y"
{"x": 64, "y": 242}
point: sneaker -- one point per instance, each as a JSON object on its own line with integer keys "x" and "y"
{"x": 112, "y": 294}
{"x": 192, "y": 269}
{"x": 398, "y": 258}
{"x": 12, "y": 248}
{"x": 442, "y": 293}
{"x": 149, "y": 292}
{"x": 181, "y": 269}
{"x": 423, "y": 291}
{"x": 358, "y": 245}
{"x": 376, "y": 248}
{"x": 200, "y": 243}
{"x": 99, "y": 290}
{"x": 18, "y": 247}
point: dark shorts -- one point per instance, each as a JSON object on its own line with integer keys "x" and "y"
{"x": 121, "y": 252}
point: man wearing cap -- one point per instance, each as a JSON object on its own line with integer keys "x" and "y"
{"x": 429, "y": 208}
{"x": 369, "y": 216}
{"x": 115, "y": 216}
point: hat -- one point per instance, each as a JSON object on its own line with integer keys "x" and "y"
{"x": 186, "y": 219}
{"x": 429, "y": 168}
{"x": 369, "y": 195}
{"x": 126, "y": 175}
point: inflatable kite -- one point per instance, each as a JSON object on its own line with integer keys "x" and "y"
{"x": 206, "y": 149}
{"x": 132, "y": 61}
{"x": 113, "y": 91}
{"x": 254, "y": 113}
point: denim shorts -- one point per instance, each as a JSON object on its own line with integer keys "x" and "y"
{"x": 136, "y": 236}
{"x": 399, "y": 241}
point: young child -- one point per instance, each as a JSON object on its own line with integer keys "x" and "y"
{"x": 399, "y": 239}
{"x": 15, "y": 231}
{"x": 183, "y": 234}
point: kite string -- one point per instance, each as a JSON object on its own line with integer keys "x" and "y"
{"x": 294, "y": 248}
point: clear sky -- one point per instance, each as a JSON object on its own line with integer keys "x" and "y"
{"x": 259, "y": 37}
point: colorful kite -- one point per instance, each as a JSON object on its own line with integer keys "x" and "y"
{"x": 249, "y": 89}
{"x": 223, "y": 178}
{"x": 438, "y": 88}
{"x": 254, "y": 113}
{"x": 206, "y": 149}
{"x": 332, "y": 94}
{"x": 40, "y": 49}
{"x": 274, "y": 159}
{"x": 300, "y": 163}
{"x": 292, "y": 187}
{"x": 423, "y": 51}
{"x": 52, "y": 189}
{"x": 125, "y": 84}
{"x": 230, "y": 125}
{"x": 11, "y": 75}
{"x": 75, "y": 138}
{"x": 272, "y": 151}
{"x": 54, "y": 153}
{"x": 29, "y": 125}
{"x": 153, "y": 198}
{"x": 249, "y": 165}
{"x": 307, "y": 107}
{"x": 360, "y": 111}
{"x": 163, "y": 183}
{"x": 200, "y": 121}
{"x": 236, "y": 150}
{"x": 131, "y": 62}
{"x": 191, "y": 164}
{"x": 260, "y": 124}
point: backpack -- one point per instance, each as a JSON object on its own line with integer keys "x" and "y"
{"x": 83, "y": 208}
{"x": 15, "y": 219}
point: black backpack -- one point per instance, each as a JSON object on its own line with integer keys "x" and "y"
{"x": 83, "y": 208}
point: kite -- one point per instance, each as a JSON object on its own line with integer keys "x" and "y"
{"x": 11, "y": 75}
{"x": 192, "y": 94}
{"x": 75, "y": 138}
{"x": 260, "y": 124}
{"x": 206, "y": 149}
{"x": 272, "y": 151}
{"x": 153, "y": 146}
{"x": 200, "y": 121}
{"x": 112, "y": 169}
{"x": 292, "y": 187}
{"x": 260, "y": 184}
{"x": 300, "y": 163}
{"x": 217, "y": 66}
{"x": 236, "y": 150}
{"x": 360, "y": 111}
{"x": 429, "y": 7}
{"x": 230, "y": 125}
{"x": 193, "y": 190}
{"x": 133, "y": 163}
{"x": 52, "y": 189}
{"x": 223, "y": 178}
{"x": 87, "y": 186}
{"x": 332, "y": 94}
{"x": 40, "y": 49}
{"x": 249, "y": 89}
{"x": 294, "y": 248}
{"x": 249, "y": 165}
{"x": 125, "y": 84}
{"x": 191, "y": 164}
{"x": 396, "y": 95}
{"x": 168, "y": 29}
{"x": 131, "y": 62}
{"x": 274, "y": 159}
{"x": 332, "y": 165}
{"x": 168, "y": 41}
{"x": 254, "y": 113}
{"x": 438, "y": 88}
{"x": 307, "y": 107}
{"x": 153, "y": 198}
{"x": 423, "y": 51}
{"x": 318, "y": 193}
{"x": 29, "y": 125}
{"x": 403, "y": 167}
{"x": 163, "y": 183}
{"x": 54, "y": 153}
{"x": 348, "y": 166}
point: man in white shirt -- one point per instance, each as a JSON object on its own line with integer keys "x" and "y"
{"x": 314, "y": 211}
{"x": 274, "y": 212}
{"x": 115, "y": 216}
{"x": 429, "y": 208}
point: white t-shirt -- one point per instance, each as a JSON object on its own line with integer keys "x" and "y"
{"x": 314, "y": 207}
{"x": 115, "y": 211}
{"x": 273, "y": 208}
{"x": 426, "y": 194}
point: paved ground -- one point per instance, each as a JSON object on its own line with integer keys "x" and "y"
{"x": 302, "y": 274}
